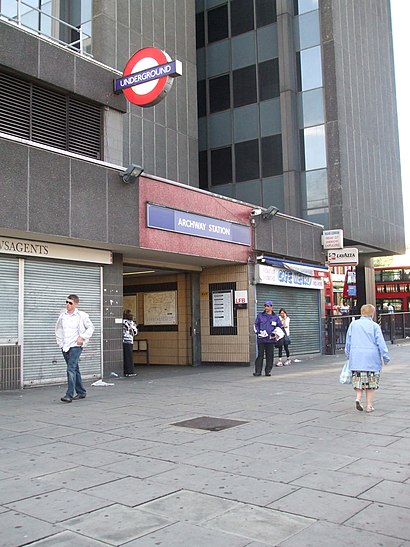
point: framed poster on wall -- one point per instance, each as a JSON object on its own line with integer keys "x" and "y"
{"x": 160, "y": 308}
{"x": 129, "y": 302}
{"x": 222, "y": 309}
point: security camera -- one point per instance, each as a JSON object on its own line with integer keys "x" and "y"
{"x": 270, "y": 212}
{"x": 255, "y": 212}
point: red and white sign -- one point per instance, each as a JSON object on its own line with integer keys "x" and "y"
{"x": 148, "y": 76}
{"x": 241, "y": 297}
{"x": 345, "y": 257}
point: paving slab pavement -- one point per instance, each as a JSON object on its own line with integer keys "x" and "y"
{"x": 302, "y": 467}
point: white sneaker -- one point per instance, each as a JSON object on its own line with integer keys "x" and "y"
{"x": 287, "y": 363}
{"x": 279, "y": 364}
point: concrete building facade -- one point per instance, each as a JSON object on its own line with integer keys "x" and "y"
{"x": 68, "y": 223}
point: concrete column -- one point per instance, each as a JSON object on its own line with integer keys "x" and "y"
{"x": 288, "y": 104}
{"x": 365, "y": 284}
{"x": 112, "y": 310}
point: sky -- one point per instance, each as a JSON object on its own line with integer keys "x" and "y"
{"x": 400, "y": 10}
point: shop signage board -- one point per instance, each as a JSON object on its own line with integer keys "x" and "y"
{"x": 349, "y": 256}
{"x": 148, "y": 76}
{"x": 269, "y": 275}
{"x": 241, "y": 297}
{"x": 332, "y": 239}
{"x": 25, "y": 247}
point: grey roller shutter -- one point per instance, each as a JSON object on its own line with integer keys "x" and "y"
{"x": 46, "y": 286}
{"x": 303, "y": 308}
{"x": 9, "y": 292}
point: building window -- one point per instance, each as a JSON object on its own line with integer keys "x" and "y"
{"x": 219, "y": 94}
{"x": 272, "y": 156}
{"x": 241, "y": 17}
{"x": 201, "y": 98}
{"x": 244, "y": 86}
{"x": 247, "y": 160}
{"x": 39, "y": 114}
{"x": 312, "y": 108}
{"x": 314, "y": 189}
{"x": 203, "y": 170}
{"x": 265, "y": 12}
{"x": 268, "y": 79}
{"x": 303, "y": 6}
{"x": 200, "y": 30}
{"x": 218, "y": 24}
{"x": 68, "y": 23}
{"x": 221, "y": 166}
{"x": 310, "y": 68}
{"x": 314, "y": 145}
{"x": 309, "y": 30}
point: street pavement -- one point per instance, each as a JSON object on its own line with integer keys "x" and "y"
{"x": 299, "y": 467}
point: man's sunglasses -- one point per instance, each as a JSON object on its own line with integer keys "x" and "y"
{"x": 68, "y": 302}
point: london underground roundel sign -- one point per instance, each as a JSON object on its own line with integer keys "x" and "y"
{"x": 148, "y": 76}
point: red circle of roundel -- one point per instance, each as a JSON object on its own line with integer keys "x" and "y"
{"x": 153, "y": 96}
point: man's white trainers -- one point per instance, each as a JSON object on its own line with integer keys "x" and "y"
{"x": 288, "y": 362}
{"x": 279, "y": 364}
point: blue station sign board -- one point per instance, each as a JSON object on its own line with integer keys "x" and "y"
{"x": 173, "y": 220}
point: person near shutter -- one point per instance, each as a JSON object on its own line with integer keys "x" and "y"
{"x": 73, "y": 331}
{"x": 265, "y": 324}
{"x": 129, "y": 330}
{"x": 367, "y": 351}
{"x": 286, "y": 340}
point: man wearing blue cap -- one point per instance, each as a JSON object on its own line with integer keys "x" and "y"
{"x": 265, "y": 324}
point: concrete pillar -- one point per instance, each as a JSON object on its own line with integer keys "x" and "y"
{"x": 288, "y": 105}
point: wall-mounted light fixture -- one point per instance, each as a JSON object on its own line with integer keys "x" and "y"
{"x": 131, "y": 174}
{"x": 270, "y": 212}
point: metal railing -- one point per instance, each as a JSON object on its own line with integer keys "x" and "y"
{"x": 395, "y": 326}
{"x": 22, "y": 18}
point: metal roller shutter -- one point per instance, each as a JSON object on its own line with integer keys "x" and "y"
{"x": 9, "y": 293}
{"x": 302, "y": 306}
{"x": 46, "y": 286}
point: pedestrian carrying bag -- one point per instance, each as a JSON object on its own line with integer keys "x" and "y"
{"x": 286, "y": 338}
{"x": 345, "y": 374}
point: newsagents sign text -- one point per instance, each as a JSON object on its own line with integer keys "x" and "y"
{"x": 173, "y": 220}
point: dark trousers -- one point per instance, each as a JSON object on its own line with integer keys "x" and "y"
{"x": 286, "y": 346}
{"x": 128, "y": 358}
{"x": 264, "y": 348}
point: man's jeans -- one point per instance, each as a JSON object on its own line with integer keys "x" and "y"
{"x": 75, "y": 382}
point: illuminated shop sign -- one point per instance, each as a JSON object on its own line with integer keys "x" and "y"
{"x": 148, "y": 76}
{"x": 173, "y": 220}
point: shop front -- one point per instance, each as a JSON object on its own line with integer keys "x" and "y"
{"x": 36, "y": 279}
{"x": 297, "y": 288}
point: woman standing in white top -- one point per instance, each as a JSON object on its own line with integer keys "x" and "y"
{"x": 286, "y": 340}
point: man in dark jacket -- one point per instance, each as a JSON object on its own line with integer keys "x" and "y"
{"x": 265, "y": 324}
